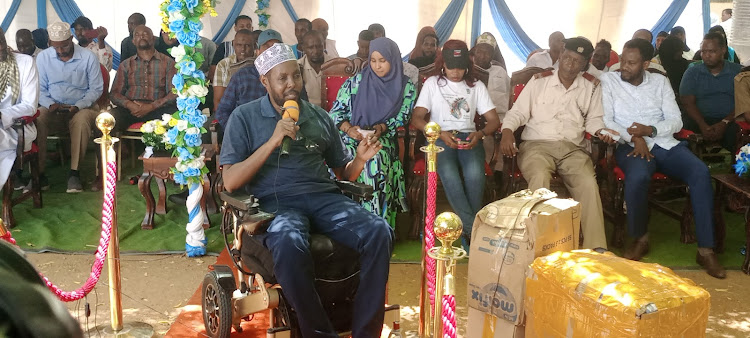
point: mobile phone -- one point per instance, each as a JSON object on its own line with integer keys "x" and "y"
{"x": 91, "y": 34}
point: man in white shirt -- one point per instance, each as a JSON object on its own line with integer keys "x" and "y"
{"x": 641, "y": 107}
{"x": 25, "y": 43}
{"x": 321, "y": 26}
{"x": 558, "y": 107}
{"x": 548, "y": 58}
{"x": 310, "y": 64}
{"x": 85, "y": 34}
{"x": 19, "y": 95}
{"x": 726, "y": 23}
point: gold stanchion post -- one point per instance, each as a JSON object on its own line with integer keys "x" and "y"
{"x": 432, "y": 133}
{"x": 106, "y": 122}
{"x": 448, "y": 228}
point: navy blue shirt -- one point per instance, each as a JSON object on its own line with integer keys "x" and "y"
{"x": 304, "y": 170}
{"x": 714, "y": 94}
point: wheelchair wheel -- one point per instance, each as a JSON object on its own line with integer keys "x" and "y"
{"x": 217, "y": 307}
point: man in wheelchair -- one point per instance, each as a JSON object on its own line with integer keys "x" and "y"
{"x": 297, "y": 188}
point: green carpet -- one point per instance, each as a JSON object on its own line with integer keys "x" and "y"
{"x": 70, "y": 223}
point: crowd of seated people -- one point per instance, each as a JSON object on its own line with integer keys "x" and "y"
{"x": 636, "y": 100}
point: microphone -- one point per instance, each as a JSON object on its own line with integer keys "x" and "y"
{"x": 291, "y": 109}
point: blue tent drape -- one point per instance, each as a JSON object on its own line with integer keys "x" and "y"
{"x": 229, "y": 22}
{"x": 41, "y": 13}
{"x": 669, "y": 18}
{"x": 10, "y": 15}
{"x": 290, "y": 10}
{"x": 476, "y": 21}
{"x": 444, "y": 26}
{"x": 706, "y": 15}
{"x": 510, "y": 30}
{"x": 69, "y": 12}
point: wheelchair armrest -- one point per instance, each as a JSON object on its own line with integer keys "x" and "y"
{"x": 356, "y": 190}
{"x": 239, "y": 200}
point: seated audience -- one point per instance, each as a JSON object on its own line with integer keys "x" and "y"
{"x": 726, "y": 22}
{"x": 730, "y": 55}
{"x": 553, "y": 140}
{"x": 41, "y": 38}
{"x": 679, "y": 32}
{"x": 742, "y": 94}
{"x": 640, "y": 106}
{"x": 452, "y": 97}
{"x": 659, "y": 39}
{"x": 85, "y": 34}
{"x": 321, "y": 26}
{"x": 363, "y": 46}
{"x": 127, "y": 48}
{"x": 299, "y": 190}
{"x": 243, "y": 55}
{"x": 378, "y": 31}
{"x": 602, "y": 52}
{"x": 654, "y": 65}
{"x": 426, "y": 48}
{"x": 497, "y": 55}
{"x": 25, "y": 43}
{"x": 142, "y": 89}
{"x": 268, "y": 38}
{"x": 70, "y": 82}
{"x": 674, "y": 64}
{"x": 498, "y": 81}
{"x": 301, "y": 27}
{"x": 548, "y": 58}
{"x": 707, "y": 94}
{"x": 310, "y": 64}
{"x": 164, "y": 43}
{"x": 226, "y": 48}
{"x": 19, "y": 90}
{"x": 378, "y": 100}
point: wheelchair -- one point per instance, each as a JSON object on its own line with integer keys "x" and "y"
{"x": 225, "y": 304}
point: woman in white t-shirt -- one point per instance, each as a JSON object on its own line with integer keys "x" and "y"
{"x": 452, "y": 97}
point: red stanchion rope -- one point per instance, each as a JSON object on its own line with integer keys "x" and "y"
{"x": 449, "y": 316}
{"x": 429, "y": 233}
{"x": 101, "y": 250}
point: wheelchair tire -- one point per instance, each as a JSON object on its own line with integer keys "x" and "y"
{"x": 217, "y": 307}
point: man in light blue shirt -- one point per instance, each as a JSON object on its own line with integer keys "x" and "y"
{"x": 641, "y": 107}
{"x": 70, "y": 83}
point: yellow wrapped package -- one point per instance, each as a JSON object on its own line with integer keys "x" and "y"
{"x": 587, "y": 294}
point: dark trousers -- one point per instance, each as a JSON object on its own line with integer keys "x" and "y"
{"x": 679, "y": 163}
{"x": 123, "y": 117}
{"x": 730, "y": 134}
{"x": 346, "y": 222}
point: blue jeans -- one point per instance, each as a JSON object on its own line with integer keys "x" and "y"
{"x": 464, "y": 196}
{"x": 346, "y": 222}
{"x": 679, "y": 163}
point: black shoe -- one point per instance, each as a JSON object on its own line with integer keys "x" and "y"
{"x": 636, "y": 251}
{"x": 179, "y": 198}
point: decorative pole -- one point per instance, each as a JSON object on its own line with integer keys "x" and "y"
{"x": 427, "y": 286}
{"x": 447, "y": 229}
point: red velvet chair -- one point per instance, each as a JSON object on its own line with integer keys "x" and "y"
{"x": 22, "y": 157}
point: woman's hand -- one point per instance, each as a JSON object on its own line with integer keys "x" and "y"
{"x": 379, "y": 130}
{"x": 473, "y": 139}
{"x": 448, "y": 139}
{"x": 353, "y": 132}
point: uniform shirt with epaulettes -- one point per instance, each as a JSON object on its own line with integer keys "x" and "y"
{"x": 552, "y": 112}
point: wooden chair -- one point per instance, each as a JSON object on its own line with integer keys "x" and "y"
{"x": 334, "y": 73}
{"x": 612, "y": 191}
{"x": 22, "y": 157}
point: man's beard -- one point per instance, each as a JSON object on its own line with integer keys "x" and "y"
{"x": 291, "y": 94}
{"x": 144, "y": 47}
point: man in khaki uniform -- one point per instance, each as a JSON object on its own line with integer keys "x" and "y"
{"x": 742, "y": 94}
{"x": 557, "y": 107}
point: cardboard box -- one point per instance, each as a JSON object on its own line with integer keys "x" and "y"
{"x": 485, "y": 325}
{"x": 587, "y": 294}
{"x": 506, "y": 237}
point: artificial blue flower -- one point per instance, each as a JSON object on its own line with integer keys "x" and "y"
{"x": 197, "y": 120}
{"x": 262, "y": 4}
{"x": 190, "y": 4}
{"x": 184, "y": 154}
{"x": 199, "y": 75}
{"x": 178, "y": 82}
{"x": 191, "y": 172}
{"x": 180, "y": 178}
{"x": 263, "y": 19}
{"x": 172, "y": 134}
{"x": 195, "y": 26}
{"x": 187, "y": 38}
{"x": 186, "y": 67}
{"x": 192, "y": 140}
{"x": 740, "y": 168}
{"x": 189, "y": 103}
{"x": 177, "y": 25}
{"x": 175, "y": 6}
